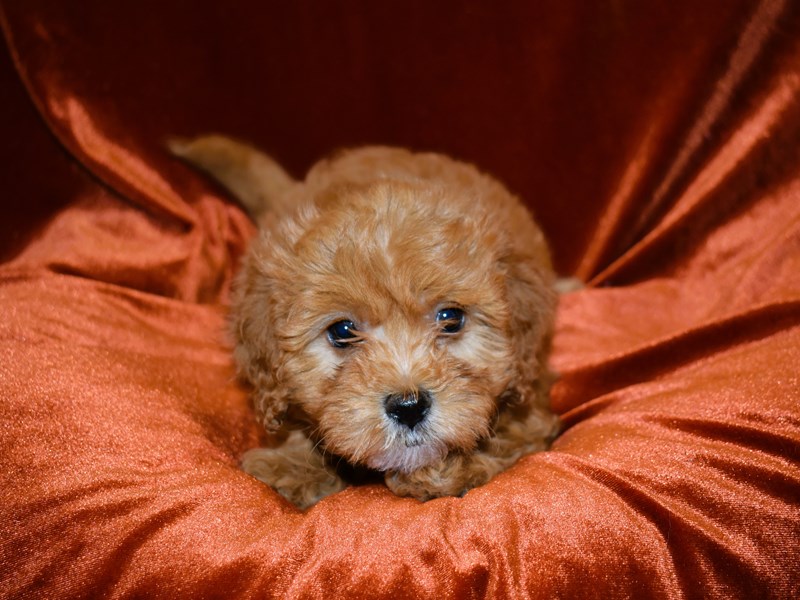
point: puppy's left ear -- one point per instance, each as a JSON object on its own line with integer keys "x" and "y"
{"x": 531, "y": 303}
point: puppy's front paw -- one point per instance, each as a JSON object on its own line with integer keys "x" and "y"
{"x": 295, "y": 470}
{"x": 454, "y": 475}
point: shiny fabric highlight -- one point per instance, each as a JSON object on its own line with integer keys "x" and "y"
{"x": 657, "y": 142}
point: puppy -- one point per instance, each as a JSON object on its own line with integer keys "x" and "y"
{"x": 393, "y": 314}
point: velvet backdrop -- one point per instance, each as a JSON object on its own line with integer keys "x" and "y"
{"x": 657, "y": 143}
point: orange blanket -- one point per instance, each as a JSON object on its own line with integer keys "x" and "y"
{"x": 658, "y": 144}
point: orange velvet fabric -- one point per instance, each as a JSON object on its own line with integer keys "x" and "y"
{"x": 658, "y": 143}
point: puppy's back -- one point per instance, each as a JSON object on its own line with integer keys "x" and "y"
{"x": 475, "y": 190}
{"x": 267, "y": 191}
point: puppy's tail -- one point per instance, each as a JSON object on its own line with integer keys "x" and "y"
{"x": 256, "y": 180}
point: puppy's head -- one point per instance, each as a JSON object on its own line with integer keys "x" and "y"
{"x": 396, "y": 318}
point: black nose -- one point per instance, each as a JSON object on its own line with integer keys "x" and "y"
{"x": 408, "y": 408}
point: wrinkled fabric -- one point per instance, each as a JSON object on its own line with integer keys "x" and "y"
{"x": 658, "y": 145}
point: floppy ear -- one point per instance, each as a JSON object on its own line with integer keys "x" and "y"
{"x": 531, "y": 303}
{"x": 258, "y": 354}
{"x": 262, "y": 186}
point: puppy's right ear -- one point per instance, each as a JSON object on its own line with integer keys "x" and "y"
{"x": 256, "y": 180}
{"x": 258, "y": 355}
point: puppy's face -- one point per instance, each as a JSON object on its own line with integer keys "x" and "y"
{"x": 388, "y": 316}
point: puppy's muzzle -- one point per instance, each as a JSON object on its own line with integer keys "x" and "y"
{"x": 408, "y": 408}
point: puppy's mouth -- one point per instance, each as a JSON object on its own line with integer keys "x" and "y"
{"x": 407, "y": 459}
{"x": 412, "y": 431}
{"x": 413, "y": 443}
{"x": 407, "y": 451}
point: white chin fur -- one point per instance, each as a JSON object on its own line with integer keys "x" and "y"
{"x": 399, "y": 457}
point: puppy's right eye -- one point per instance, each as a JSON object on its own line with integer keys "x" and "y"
{"x": 342, "y": 333}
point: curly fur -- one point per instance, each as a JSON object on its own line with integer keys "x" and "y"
{"x": 385, "y": 237}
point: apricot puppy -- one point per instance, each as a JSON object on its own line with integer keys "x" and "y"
{"x": 393, "y": 314}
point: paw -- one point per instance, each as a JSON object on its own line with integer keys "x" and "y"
{"x": 294, "y": 470}
{"x": 455, "y": 475}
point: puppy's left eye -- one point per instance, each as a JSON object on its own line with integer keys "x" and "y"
{"x": 451, "y": 319}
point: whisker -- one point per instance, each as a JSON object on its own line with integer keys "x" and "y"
{"x": 360, "y": 449}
